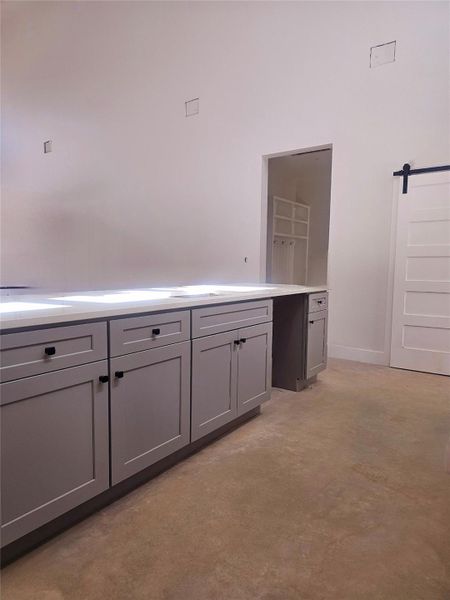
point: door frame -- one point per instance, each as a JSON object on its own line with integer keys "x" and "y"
{"x": 265, "y": 199}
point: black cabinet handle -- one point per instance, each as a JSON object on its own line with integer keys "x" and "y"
{"x": 103, "y": 378}
{"x": 118, "y": 374}
{"x": 311, "y": 322}
{"x": 243, "y": 340}
{"x": 156, "y": 331}
{"x": 319, "y": 301}
{"x": 237, "y": 342}
{"x": 50, "y": 350}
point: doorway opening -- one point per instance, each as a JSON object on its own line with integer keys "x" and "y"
{"x": 298, "y": 216}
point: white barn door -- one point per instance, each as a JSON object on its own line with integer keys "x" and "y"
{"x": 421, "y": 304}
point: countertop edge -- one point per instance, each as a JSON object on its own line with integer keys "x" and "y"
{"x": 135, "y": 309}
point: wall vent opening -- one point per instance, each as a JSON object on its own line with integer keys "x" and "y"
{"x": 382, "y": 54}
{"x": 192, "y": 107}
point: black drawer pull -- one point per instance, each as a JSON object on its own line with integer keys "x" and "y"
{"x": 319, "y": 301}
{"x": 156, "y": 331}
{"x": 50, "y": 350}
{"x": 236, "y": 342}
{"x": 103, "y": 378}
{"x": 311, "y": 322}
{"x": 243, "y": 340}
{"x": 118, "y": 374}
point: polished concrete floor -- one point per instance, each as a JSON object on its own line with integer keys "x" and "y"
{"x": 339, "y": 492}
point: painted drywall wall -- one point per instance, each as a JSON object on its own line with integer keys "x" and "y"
{"x": 305, "y": 178}
{"x": 135, "y": 193}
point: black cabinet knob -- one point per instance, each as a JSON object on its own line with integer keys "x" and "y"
{"x": 118, "y": 374}
{"x": 311, "y": 322}
{"x": 50, "y": 350}
{"x": 103, "y": 378}
{"x": 243, "y": 340}
{"x": 156, "y": 331}
{"x": 237, "y": 342}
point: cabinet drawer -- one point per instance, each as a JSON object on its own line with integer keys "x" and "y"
{"x": 225, "y": 317}
{"x": 41, "y": 351}
{"x": 151, "y": 331}
{"x": 318, "y": 302}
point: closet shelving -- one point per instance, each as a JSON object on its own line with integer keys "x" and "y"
{"x": 290, "y": 219}
{"x": 290, "y": 227}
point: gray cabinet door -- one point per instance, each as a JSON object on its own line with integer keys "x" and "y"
{"x": 254, "y": 366}
{"x": 316, "y": 360}
{"x": 214, "y": 382}
{"x": 150, "y": 401}
{"x": 54, "y": 445}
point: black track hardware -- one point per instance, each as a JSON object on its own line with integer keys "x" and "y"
{"x": 407, "y": 171}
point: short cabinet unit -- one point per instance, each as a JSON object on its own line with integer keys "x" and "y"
{"x": 316, "y": 355}
{"x": 54, "y": 445}
{"x": 150, "y": 407}
{"x": 231, "y": 374}
{"x": 316, "y": 352}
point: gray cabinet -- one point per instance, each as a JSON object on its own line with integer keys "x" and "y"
{"x": 150, "y": 407}
{"x": 54, "y": 445}
{"x": 316, "y": 354}
{"x": 231, "y": 374}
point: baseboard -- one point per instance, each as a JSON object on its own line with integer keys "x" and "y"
{"x": 375, "y": 357}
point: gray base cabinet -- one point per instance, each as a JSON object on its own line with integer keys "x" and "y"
{"x": 316, "y": 355}
{"x": 231, "y": 374}
{"x": 54, "y": 445}
{"x": 150, "y": 407}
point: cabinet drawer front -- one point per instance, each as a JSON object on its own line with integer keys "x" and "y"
{"x": 151, "y": 331}
{"x": 54, "y": 446}
{"x": 225, "y": 317}
{"x": 150, "y": 407}
{"x": 318, "y": 302}
{"x": 34, "y": 352}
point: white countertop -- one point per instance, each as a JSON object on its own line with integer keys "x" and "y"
{"x": 51, "y": 308}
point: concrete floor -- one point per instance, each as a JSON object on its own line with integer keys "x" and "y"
{"x": 339, "y": 492}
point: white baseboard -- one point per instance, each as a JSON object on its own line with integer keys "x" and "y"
{"x": 375, "y": 357}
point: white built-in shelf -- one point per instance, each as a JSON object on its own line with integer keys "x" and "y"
{"x": 291, "y": 236}
{"x": 290, "y": 223}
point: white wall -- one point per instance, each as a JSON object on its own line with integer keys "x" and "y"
{"x": 135, "y": 193}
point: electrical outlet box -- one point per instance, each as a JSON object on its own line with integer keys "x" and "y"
{"x": 382, "y": 54}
